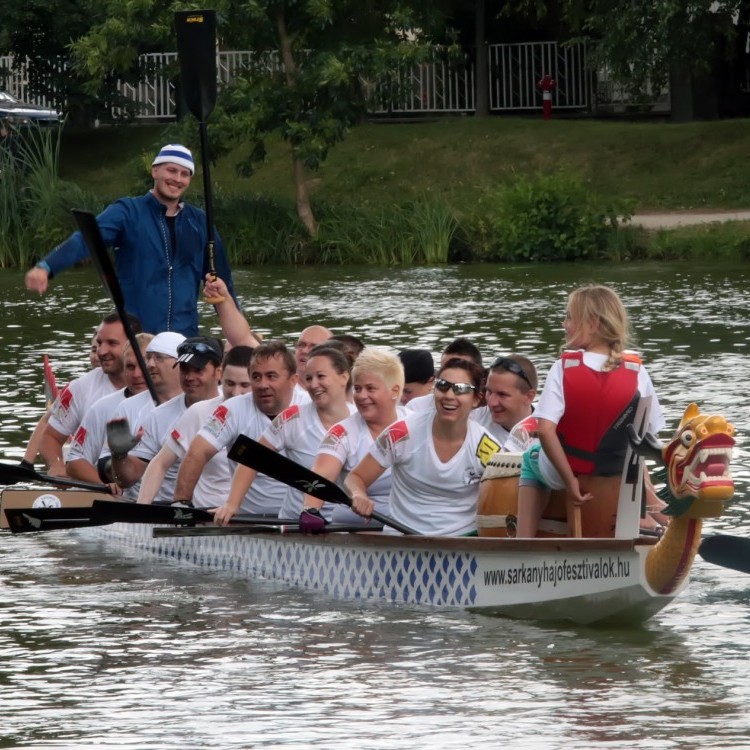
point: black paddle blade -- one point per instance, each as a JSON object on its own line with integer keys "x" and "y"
{"x": 23, "y": 520}
{"x": 103, "y": 263}
{"x": 12, "y": 473}
{"x": 257, "y": 456}
{"x": 728, "y": 551}
{"x": 196, "y": 48}
{"x": 113, "y": 511}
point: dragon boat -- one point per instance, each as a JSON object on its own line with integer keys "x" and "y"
{"x": 623, "y": 579}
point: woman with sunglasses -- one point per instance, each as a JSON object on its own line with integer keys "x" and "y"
{"x": 436, "y": 458}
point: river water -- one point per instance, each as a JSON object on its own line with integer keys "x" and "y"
{"x": 100, "y": 649}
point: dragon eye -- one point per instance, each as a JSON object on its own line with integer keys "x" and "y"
{"x": 687, "y": 438}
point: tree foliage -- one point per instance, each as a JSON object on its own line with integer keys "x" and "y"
{"x": 315, "y": 63}
{"x": 642, "y": 40}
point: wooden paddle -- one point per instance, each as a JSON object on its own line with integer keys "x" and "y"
{"x": 98, "y": 251}
{"x": 196, "y": 49}
{"x": 257, "y": 456}
{"x": 728, "y": 551}
{"x": 13, "y": 473}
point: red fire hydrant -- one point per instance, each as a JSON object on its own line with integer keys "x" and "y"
{"x": 546, "y": 84}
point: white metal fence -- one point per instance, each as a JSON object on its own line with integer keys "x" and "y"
{"x": 437, "y": 87}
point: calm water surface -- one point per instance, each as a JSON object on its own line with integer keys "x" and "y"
{"x": 100, "y": 649}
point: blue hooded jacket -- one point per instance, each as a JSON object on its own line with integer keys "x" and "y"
{"x": 160, "y": 286}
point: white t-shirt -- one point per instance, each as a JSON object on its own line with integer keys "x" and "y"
{"x": 552, "y": 407}
{"x": 297, "y": 432}
{"x": 421, "y": 403}
{"x": 240, "y": 415}
{"x": 156, "y": 426}
{"x": 212, "y": 487}
{"x": 90, "y": 438}
{"x": 433, "y": 497}
{"x": 483, "y": 416}
{"x": 350, "y": 441}
{"x": 77, "y": 398}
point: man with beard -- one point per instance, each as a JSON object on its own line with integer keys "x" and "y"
{"x": 160, "y": 249}
{"x": 80, "y": 394}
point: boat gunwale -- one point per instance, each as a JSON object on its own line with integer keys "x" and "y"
{"x": 452, "y": 543}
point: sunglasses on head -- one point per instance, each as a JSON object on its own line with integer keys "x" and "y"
{"x": 512, "y": 366}
{"x": 460, "y": 389}
{"x": 196, "y": 348}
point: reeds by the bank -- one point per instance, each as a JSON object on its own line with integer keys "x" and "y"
{"x": 34, "y": 203}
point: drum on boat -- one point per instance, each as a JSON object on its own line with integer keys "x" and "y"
{"x": 497, "y": 509}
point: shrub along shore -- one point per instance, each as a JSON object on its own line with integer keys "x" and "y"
{"x": 459, "y": 189}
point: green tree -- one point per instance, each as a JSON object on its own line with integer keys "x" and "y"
{"x": 317, "y": 65}
{"x": 641, "y": 41}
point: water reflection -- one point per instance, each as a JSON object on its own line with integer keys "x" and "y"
{"x": 105, "y": 650}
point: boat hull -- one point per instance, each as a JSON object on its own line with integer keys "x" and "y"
{"x": 583, "y": 580}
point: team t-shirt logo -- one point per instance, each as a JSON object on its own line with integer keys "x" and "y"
{"x": 61, "y": 407}
{"x": 218, "y": 419}
{"x": 486, "y": 449}
{"x": 334, "y": 436}
{"x": 397, "y": 432}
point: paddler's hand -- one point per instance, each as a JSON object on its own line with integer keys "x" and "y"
{"x": 362, "y": 504}
{"x": 119, "y": 439}
{"x": 215, "y": 289}
{"x": 37, "y": 280}
{"x": 224, "y": 514}
{"x": 574, "y": 492}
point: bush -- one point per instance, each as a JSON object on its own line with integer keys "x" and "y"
{"x": 549, "y": 217}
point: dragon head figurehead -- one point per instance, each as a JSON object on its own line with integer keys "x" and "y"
{"x": 697, "y": 460}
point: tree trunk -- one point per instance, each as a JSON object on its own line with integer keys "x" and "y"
{"x": 302, "y": 194}
{"x": 482, "y": 63}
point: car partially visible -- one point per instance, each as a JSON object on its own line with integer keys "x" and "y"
{"x": 19, "y": 113}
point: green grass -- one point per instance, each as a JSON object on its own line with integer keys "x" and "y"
{"x": 659, "y": 166}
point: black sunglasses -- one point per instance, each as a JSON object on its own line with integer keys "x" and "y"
{"x": 460, "y": 389}
{"x": 512, "y": 366}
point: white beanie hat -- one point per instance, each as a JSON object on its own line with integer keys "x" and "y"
{"x": 165, "y": 343}
{"x": 174, "y": 153}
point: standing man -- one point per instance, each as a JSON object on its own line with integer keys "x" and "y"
{"x": 160, "y": 249}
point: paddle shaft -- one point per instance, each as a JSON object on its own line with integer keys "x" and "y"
{"x": 257, "y": 456}
{"x": 97, "y": 249}
{"x": 12, "y": 473}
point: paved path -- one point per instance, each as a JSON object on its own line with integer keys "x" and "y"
{"x": 686, "y": 218}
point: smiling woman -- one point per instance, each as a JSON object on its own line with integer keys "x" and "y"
{"x": 436, "y": 458}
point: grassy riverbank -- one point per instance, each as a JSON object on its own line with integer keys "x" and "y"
{"x": 450, "y": 178}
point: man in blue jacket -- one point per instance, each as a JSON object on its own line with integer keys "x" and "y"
{"x": 160, "y": 249}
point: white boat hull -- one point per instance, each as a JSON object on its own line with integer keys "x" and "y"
{"x": 583, "y": 580}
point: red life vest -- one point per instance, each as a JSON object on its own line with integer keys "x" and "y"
{"x": 598, "y": 408}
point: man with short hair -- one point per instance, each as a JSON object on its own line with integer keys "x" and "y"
{"x": 88, "y": 444}
{"x": 273, "y": 375}
{"x": 509, "y": 392}
{"x": 80, "y": 394}
{"x": 419, "y": 373}
{"x": 216, "y": 478}
{"x": 199, "y": 361}
{"x": 309, "y": 338}
{"x": 160, "y": 249}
